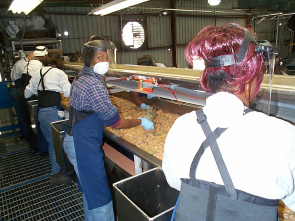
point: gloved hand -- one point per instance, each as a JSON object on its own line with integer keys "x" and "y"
{"x": 150, "y": 96}
{"x": 144, "y": 106}
{"x": 147, "y": 124}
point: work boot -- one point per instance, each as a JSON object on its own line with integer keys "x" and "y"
{"x": 57, "y": 179}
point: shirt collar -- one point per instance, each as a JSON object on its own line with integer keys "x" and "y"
{"x": 88, "y": 70}
{"x": 224, "y": 108}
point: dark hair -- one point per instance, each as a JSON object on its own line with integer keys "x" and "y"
{"x": 53, "y": 58}
{"x": 215, "y": 41}
{"x": 88, "y": 55}
{"x": 145, "y": 60}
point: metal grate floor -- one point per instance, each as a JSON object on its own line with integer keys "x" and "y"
{"x": 25, "y": 193}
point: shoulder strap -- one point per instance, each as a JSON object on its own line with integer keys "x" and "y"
{"x": 78, "y": 76}
{"x": 42, "y": 78}
{"x": 28, "y": 67}
{"x": 211, "y": 138}
{"x": 211, "y": 141}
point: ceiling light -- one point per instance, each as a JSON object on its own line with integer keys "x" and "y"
{"x": 19, "y": 6}
{"x": 214, "y": 2}
{"x": 113, "y": 6}
{"x": 163, "y": 12}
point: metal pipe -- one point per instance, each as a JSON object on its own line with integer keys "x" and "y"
{"x": 200, "y": 10}
{"x": 277, "y": 34}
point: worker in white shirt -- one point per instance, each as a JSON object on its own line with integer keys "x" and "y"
{"x": 49, "y": 83}
{"x": 15, "y": 75}
{"x": 32, "y": 66}
{"x": 258, "y": 150}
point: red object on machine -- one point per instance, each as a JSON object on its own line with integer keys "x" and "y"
{"x": 141, "y": 82}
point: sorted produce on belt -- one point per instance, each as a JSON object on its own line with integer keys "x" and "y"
{"x": 285, "y": 213}
{"x": 150, "y": 141}
{"x": 149, "y": 113}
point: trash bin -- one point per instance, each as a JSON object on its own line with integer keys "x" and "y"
{"x": 57, "y": 135}
{"x": 146, "y": 196}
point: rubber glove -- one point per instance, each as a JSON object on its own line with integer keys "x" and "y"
{"x": 146, "y": 124}
{"x": 144, "y": 106}
{"x": 150, "y": 96}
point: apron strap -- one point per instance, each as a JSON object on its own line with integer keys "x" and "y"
{"x": 211, "y": 138}
{"x": 42, "y": 78}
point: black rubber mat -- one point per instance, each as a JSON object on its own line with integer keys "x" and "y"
{"x": 25, "y": 193}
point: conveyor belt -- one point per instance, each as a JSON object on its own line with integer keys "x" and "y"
{"x": 25, "y": 193}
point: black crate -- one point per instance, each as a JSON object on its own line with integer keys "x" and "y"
{"x": 146, "y": 196}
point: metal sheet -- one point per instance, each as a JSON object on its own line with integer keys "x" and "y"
{"x": 133, "y": 203}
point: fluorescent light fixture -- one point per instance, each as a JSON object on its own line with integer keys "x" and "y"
{"x": 114, "y": 6}
{"x": 25, "y": 6}
{"x": 214, "y": 2}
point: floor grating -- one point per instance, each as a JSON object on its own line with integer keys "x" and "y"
{"x": 12, "y": 144}
{"x": 25, "y": 193}
{"x": 19, "y": 167}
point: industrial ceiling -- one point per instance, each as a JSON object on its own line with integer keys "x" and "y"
{"x": 285, "y": 6}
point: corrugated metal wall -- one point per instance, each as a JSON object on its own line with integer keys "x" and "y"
{"x": 267, "y": 30}
{"x": 188, "y": 24}
{"x": 158, "y": 33}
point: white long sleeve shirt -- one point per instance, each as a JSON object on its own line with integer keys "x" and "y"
{"x": 32, "y": 67}
{"x": 17, "y": 69}
{"x": 258, "y": 150}
{"x": 54, "y": 80}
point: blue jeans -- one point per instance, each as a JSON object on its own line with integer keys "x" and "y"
{"x": 103, "y": 213}
{"x": 45, "y": 117}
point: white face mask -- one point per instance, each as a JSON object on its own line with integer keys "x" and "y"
{"x": 101, "y": 68}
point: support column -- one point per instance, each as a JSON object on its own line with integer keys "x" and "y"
{"x": 173, "y": 33}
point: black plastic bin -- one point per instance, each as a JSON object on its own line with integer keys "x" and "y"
{"x": 146, "y": 196}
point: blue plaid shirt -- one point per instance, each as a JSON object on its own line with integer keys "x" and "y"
{"x": 89, "y": 93}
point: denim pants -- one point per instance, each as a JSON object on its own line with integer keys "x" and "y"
{"x": 45, "y": 117}
{"x": 103, "y": 213}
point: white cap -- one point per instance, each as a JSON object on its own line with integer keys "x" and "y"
{"x": 40, "y": 51}
{"x": 160, "y": 65}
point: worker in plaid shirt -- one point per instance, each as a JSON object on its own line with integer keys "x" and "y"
{"x": 91, "y": 110}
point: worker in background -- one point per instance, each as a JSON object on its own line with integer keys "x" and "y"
{"x": 76, "y": 57}
{"x": 15, "y": 75}
{"x": 31, "y": 67}
{"x": 145, "y": 60}
{"x": 49, "y": 83}
{"x": 90, "y": 111}
{"x": 258, "y": 150}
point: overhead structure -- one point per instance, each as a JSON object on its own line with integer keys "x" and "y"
{"x": 114, "y": 6}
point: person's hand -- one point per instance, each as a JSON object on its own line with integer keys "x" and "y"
{"x": 146, "y": 124}
{"x": 150, "y": 96}
{"x": 144, "y": 106}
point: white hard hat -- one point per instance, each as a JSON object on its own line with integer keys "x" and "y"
{"x": 40, "y": 51}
